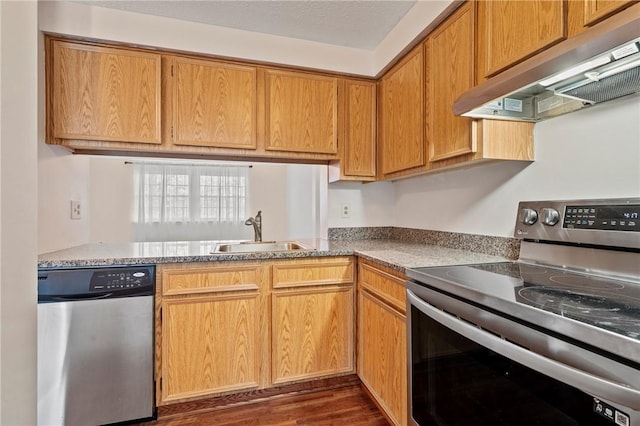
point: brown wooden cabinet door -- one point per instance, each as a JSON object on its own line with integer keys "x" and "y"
{"x": 510, "y": 31}
{"x": 596, "y": 10}
{"x": 358, "y": 146}
{"x": 382, "y": 355}
{"x": 210, "y": 345}
{"x": 402, "y": 116}
{"x": 214, "y": 104}
{"x": 302, "y": 111}
{"x": 583, "y": 14}
{"x": 312, "y": 333}
{"x": 450, "y": 71}
{"x": 104, "y": 94}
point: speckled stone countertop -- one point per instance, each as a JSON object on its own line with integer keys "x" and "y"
{"x": 395, "y": 254}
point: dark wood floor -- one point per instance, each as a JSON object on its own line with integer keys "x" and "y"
{"x": 344, "y": 406}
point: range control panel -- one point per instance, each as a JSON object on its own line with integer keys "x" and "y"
{"x": 120, "y": 279}
{"x": 601, "y": 222}
{"x": 612, "y": 218}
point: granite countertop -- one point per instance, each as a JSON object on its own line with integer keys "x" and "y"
{"x": 395, "y": 254}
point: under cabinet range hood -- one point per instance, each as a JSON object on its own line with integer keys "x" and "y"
{"x": 599, "y": 65}
{"x": 607, "y": 76}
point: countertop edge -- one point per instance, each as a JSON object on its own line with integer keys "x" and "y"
{"x": 396, "y": 255}
{"x": 124, "y": 261}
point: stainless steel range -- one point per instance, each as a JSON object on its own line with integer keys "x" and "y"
{"x": 550, "y": 339}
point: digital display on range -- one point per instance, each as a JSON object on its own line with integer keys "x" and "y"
{"x": 610, "y": 218}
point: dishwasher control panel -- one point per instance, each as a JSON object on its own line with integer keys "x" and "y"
{"x": 120, "y": 279}
{"x": 77, "y": 284}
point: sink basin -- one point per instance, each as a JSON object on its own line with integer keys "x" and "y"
{"x": 253, "y": 247}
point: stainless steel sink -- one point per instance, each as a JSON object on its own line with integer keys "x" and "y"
{"x": 253, "y": 247}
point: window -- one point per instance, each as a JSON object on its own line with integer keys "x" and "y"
{"x": 189, "y": 202}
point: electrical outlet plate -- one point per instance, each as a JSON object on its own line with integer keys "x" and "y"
{"x": 345, "y": 211}
{"x": 76, "y": 213}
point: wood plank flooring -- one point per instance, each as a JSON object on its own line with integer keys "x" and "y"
{"x": 345, "y": 406}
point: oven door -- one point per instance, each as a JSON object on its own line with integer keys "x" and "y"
{"x": 470, "y": 371}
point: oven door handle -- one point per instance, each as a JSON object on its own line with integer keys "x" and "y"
{"x": 594, "y": 385}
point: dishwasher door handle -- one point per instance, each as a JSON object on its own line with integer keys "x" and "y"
{"x": 73, "y": 297}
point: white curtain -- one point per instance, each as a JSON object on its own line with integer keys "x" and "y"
{"x": 189, "y": 202}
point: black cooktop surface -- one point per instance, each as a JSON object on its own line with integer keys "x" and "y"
{"x": 607, "y": 303}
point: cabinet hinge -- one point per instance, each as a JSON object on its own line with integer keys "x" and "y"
{"x": 171, "y": 70}
{"x": 160, "y": 384}
{"x": 171, "y": 132}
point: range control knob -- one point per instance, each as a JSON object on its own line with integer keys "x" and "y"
{"x": 528, "y": 216}
{"x": 550, "y": 216}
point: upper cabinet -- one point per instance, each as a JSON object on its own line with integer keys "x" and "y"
{"x": 111, "y": 100}
{"x": 302, "y": 112}
{"x": 357, "y": 127}
{"x": 450, "y": 71}
{"x": 510, "y": 31}
{"x": 586, "y": 13}
{"x": 103, "y": 94}
{"x": 116, "y": 100}
{"x": 596, "y": 10}
{"x": 401, "y": 116}
{"x": 213, "y": 104}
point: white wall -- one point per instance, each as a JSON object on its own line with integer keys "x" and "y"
{"x": 104, "y": 186}
{"x": 306, "y": 201}
{"x": 110, "y": 193}
{"x": 19, "y": 132}
{"x": 62, "y": 177}
{"x": 408, "y": 29}
{"x": 370, "y": 204}
{"x": 146, "y": 30}
{"x": 268, "y": 193}
{"x": 117, "y": 25}
{"x": 594, "y": 153}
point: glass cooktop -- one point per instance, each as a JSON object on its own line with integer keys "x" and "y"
{"x": 606, "y": 303}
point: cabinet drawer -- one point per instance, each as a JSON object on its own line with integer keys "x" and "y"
{"x": 338, "y": 271}
{"x": 203, "y": 280}
{"x": 385, "y": 286}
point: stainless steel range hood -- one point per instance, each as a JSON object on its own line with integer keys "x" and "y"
{"x": 601, "y": 64}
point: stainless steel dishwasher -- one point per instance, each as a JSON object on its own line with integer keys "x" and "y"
{"x": 95, "y": 345}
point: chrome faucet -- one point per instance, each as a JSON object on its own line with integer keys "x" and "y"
{"x": 257, "y": 225}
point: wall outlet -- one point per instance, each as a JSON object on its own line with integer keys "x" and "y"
{"x": 345, "y": 211}
{"x": 76, "y": 213}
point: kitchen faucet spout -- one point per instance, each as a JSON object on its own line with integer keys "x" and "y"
{"x": 257, "y": 226}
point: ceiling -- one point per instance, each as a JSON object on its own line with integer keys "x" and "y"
{"x": 361, "y": 24}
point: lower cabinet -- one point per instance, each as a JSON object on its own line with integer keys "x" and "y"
{"x": 312, "y": 333}
{"x": 210, "y": 326}
{"x": 228, "y": 327}
{"x": 212, "y": 344}
{"x": 382, "y": 341}
{"x": 312, "y": 311}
